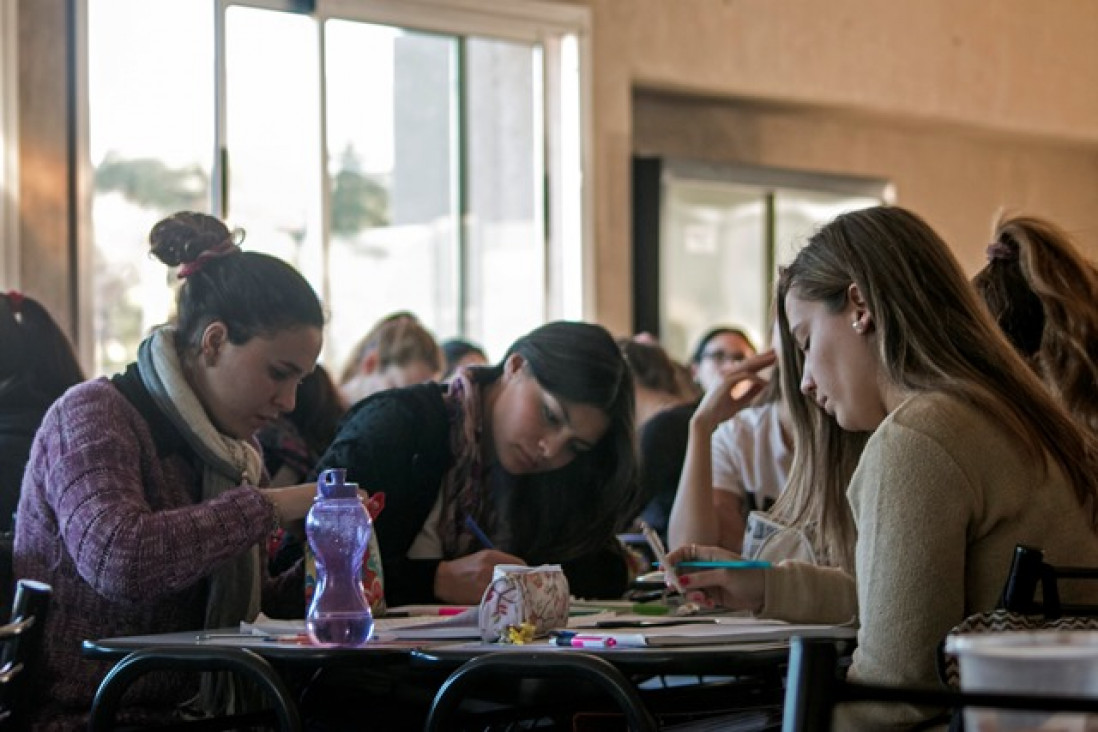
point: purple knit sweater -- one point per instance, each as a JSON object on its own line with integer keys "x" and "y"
{"x": 119, "y": 534}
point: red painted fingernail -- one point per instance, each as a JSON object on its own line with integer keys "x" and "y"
{"x": 684, "y": 580}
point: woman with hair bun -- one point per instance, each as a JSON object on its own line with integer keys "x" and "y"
{"x": 142, "y": 504}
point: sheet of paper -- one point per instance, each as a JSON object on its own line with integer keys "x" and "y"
{"x": 269, "y": 626}
{"x": 726, "y": 629}
{"x": 429, "y": 627}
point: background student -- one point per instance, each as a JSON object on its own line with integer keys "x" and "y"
{"x": 1044, "y": 294}
{"x": 706, "y": 510}
{"x": 457, "y": 352}
{"x": 536, "y": 451}
{"x": 37, "y": 365}
{"x": 662, "y": 416}
{"x": 969, "y": 454}
{"x": 141, "y": 503}
{"x": 397, "y": 351}
{"x": 718, "y": 352}
{"x": 294, "y": 442}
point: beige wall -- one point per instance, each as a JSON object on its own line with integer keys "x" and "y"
{"x": 957, "y": 177}
{"x": 966, "y": 105}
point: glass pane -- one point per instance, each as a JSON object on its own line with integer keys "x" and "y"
{"x": 151, "y": 132}
{"x": 506, "y": 239}
{"x": 799, "y": 213}
{"x": 273, "y": 135}
{"x": 393, "y": 166}
{"x": 712, "y": 262}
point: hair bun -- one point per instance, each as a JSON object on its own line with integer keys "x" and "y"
{"x": 184, "y": 236}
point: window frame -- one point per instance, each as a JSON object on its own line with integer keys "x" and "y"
{"x": 10, "y": 258}
{"x": 529, "y": 21}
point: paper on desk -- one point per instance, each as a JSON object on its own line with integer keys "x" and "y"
{"x": 262, "y": 625}
{"x": 429, "y": 627}
{"x": 726, "y": 630}
{"x": 419, "y": 627}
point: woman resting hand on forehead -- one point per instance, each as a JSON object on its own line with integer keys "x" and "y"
{"x": 967, "y": 455}
{"x": 534, "y": 454}
{"x": 141, "y": 504}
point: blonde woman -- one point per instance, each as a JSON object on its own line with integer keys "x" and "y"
{"x": 968, "y": 454}
{"x": 398, "y": 351}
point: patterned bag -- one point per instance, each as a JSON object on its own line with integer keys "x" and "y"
{"x": 534, "y": 597}
{"x": 998, "y": 621}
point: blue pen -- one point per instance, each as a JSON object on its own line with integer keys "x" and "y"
{"x": 724, "y": 564}
{"x": 479, "y": 533}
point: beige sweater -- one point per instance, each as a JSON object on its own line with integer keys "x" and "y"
{"x": 941, "y": 497}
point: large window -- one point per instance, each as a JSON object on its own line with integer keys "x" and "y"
{"x": 419, "y": 155}
{"x": 709, "y": 238}
{"x": 9, "y": 229}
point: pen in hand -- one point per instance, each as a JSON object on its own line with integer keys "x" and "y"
{"x": 656, "y": 545}
{"x": 478, "y": 532}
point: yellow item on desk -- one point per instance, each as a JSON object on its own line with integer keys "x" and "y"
{"x": 519, "y": 635}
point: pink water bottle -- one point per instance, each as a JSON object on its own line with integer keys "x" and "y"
{"x": 338, "y": 528}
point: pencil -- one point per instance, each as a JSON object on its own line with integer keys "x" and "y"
{"x": 660, "y": 553}
{"x": 478, "y": 532}
{"x": 724, "y": 564}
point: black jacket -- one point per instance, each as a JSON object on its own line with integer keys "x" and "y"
{"x": 398, "y": 442}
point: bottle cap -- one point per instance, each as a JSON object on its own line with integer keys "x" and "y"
{"x": 332, "y": 483}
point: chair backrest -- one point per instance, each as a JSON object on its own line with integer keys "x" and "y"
{"x": 283, "y": 713}
{"x": 535, "y": 664}
{"x": 1028, "y": 571}
{"x": 815, "y": 687}
{"x": 21, "y": 640}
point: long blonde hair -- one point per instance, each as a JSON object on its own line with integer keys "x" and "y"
{"x": 398, "y": 339}
{"x": 933, "y": 333}
{"x": 1044, "y": 294}
{"x": 824, "y": 458}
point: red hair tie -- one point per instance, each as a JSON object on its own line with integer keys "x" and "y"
{"x": 15, "y": 301}
{"x": 225, "y": 248}
{"x": 999, "y": 250}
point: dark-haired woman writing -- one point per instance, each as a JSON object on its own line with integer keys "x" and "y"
{"x": 537, "y": 452}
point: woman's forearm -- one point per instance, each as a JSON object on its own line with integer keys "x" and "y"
{"x": 693, "y": 520}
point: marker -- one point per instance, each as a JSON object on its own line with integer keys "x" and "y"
{"x": 724, "y": 564}
{"x": 572, "y": 640}
{"x": 422, "y": 611}
{"x": 653, "y": 623}
{"x": 660, "y": 553}
{"x": 479, "y": 533}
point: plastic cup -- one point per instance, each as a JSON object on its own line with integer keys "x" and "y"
{"x": 1052, "y": 663}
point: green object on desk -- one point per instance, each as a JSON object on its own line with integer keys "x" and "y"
{"x": 651, "y": 608}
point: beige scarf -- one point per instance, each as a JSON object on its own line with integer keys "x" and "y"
{"x": 235, "y": 585}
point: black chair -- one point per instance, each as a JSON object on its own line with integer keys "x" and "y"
{"x": 1028, "y": 572}
{"x": 283, "y": 715}
{"x": 21, "y": 639}
{"x": 815, "y": 687}
{"x": 573, "y": 667}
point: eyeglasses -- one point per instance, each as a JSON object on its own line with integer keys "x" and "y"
{"x": 718, "y": 356}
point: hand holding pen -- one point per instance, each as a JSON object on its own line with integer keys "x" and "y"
{"x": 660, "y": 553}
{"x": 461, "y": 581}
{"x": 721, "y": 578}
